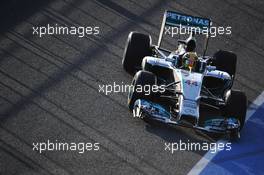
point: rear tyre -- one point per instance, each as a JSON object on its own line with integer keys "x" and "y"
{"x": 225, "y": 61}
{"x": 137, "y": 47}
{"x": 237, "y": 106}
{"x": 145, "y": 80}
{"x": 234, "y": 135}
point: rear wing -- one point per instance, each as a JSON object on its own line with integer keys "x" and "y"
{"x": 193, "y": 23}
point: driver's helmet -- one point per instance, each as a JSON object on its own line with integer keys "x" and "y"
{"x": 189, "y": 60}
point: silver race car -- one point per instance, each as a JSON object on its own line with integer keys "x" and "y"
{"x": 183, "y": 86}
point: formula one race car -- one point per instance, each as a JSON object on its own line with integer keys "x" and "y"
{"x": 180, "y": 87}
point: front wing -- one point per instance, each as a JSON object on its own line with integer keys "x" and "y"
{"x": 150, "y": 110}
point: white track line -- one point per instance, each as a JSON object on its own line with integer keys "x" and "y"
{"x": 199, "y": 166}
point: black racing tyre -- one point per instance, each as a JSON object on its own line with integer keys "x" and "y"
{"x": 237, "y": 106}
{"x": 225, "y": 61}
{"x": 138, "y": 46}
{"x": 234, "y": 136}
{"x": 141, "y": 78}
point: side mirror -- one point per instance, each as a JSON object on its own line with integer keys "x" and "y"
{"x": 211, "y": 68}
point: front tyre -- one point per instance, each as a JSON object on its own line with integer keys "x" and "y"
{"x": 141, "y": 88}
{"x": 236, "y": 107}
{"x": 234, "y": 135}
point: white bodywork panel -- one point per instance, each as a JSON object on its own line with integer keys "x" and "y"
{"x": 191, "y": 83}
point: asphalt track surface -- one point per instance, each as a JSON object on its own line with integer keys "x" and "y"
{"x": 49, "y": 85}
